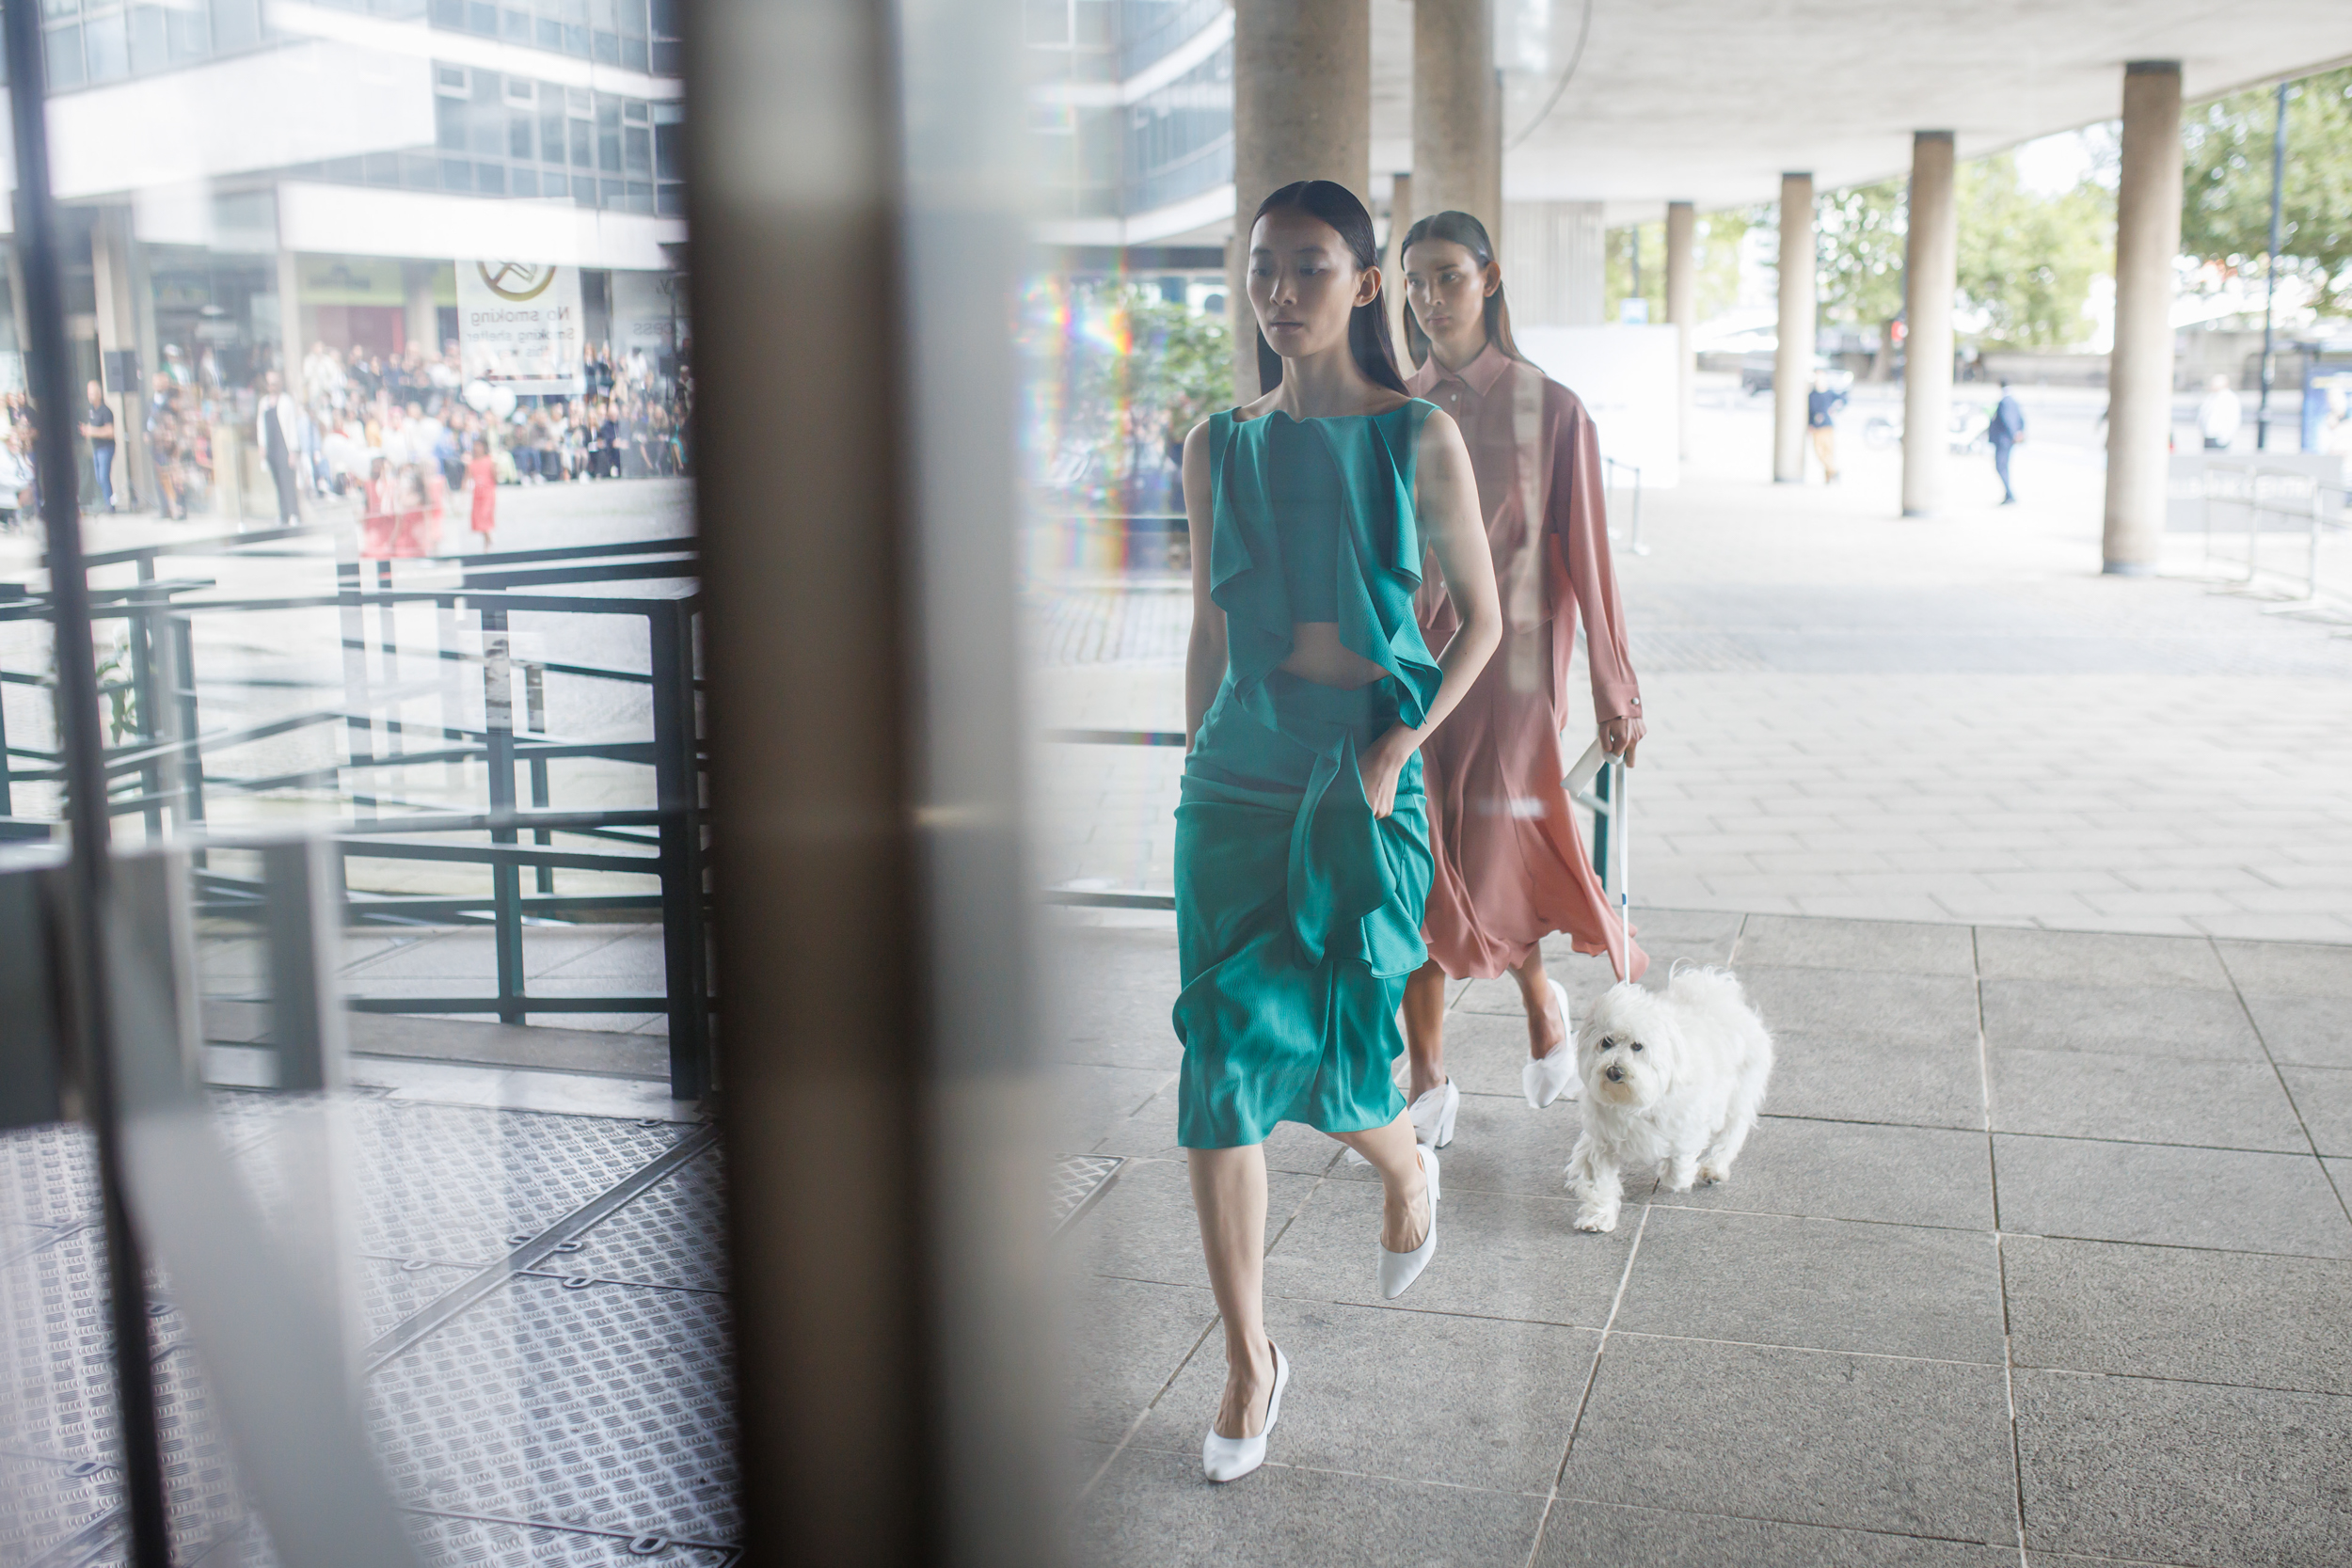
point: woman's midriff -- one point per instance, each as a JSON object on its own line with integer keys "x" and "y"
{"x": 1317, "y": 654}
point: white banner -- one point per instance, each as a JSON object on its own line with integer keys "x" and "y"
{"x": 519, "y": 326}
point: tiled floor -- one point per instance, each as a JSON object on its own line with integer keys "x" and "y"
{"x": 2041, "y": 1255}
{"x": 546, "y": 1346}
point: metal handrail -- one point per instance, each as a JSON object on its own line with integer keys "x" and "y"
{"x": 165, "y": 757}
{"x": 2311, "y": 509}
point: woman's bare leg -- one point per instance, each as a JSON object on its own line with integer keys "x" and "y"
{"x": 1545, "y": 1026}
{"x": 1228, "y": 1194}
{"x": 1424, "y": 1028}
{"x": 1390, "y": 1150}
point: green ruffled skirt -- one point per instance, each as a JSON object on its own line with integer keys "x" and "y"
{"x": 1297, "y": 914}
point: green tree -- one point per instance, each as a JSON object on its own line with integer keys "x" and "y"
{"x": 1861, "y": 232}
{"x": 2225, "y": 212}
{"x": 2027, "y": 258}
{"x": 1715, "y": 246}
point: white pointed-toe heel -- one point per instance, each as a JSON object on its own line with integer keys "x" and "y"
{"x": 1398, "y": 1270}
{"x": 1232, "y": 1458}
{"x": 1433, "y": 1117}
{"x": 1546, "y": 1077}
{"x": 1432, "y": 1114}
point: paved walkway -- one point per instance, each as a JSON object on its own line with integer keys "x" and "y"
{"x": 2041, "y": 1255}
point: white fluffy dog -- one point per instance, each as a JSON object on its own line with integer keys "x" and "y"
{"x": 1673, "y": 1078}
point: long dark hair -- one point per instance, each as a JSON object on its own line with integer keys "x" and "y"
{"x": 1367, "y": 324}
{"x": 1467, "y": 232}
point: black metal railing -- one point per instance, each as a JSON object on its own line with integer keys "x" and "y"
{"x": 166, "y": 766}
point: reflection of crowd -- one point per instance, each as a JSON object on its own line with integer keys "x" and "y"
{"x": 398, "y": 434}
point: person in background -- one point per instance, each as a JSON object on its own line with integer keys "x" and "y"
{"x": 1821, "y": 423}
{"x": 481, "y": 474}
{"x": 275, "y": 428}
{"x": 2220, "y": 416}
{"x": 378, "y": 512}
{"x": 2008, "y": 428}
{"x": 97, "y": 429}
{"x": 165, "y": 450}
{"x": 17, "y": 489}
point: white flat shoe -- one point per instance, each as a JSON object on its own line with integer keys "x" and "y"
{"x": 1545, "y": 1078}
{"x": 1433, "y": 1117}
{"x": 1398, "y": 1270}
{"x": 1232, "y": 1458}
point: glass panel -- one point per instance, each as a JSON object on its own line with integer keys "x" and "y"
{"x": 64, "y": 48}
{"x": 397, "y": 549}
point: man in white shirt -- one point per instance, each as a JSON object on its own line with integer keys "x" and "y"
{"x": 276, "y": 427}
{"x": 2220, "y": 416}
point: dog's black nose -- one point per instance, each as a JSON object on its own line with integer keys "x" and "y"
{"x": 1616, "y": 1076}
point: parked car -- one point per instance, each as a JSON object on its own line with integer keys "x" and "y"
{"x": 1756, "y": 371}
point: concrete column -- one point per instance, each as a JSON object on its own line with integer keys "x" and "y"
{"x": 119, "y": 330}
{"x": 1682, "y": 308}
{"x": 420, "y": 320}
{"x": 1556, "y": 263}
{"x": 2139, "y": 377}
{"x": 1302, "y": 110}
{"x": 1401, "y": 215}
{"x": 1457, "y": 110}
{"x": 1793, "y": 368}
{"x": 1931, "y": 278}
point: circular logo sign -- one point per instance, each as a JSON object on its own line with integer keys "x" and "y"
{"x": 515, "y": 280}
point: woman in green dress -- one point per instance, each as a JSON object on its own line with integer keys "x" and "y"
{"x": 1302, "y": 839}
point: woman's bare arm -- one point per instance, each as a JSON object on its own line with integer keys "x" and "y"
{"x": 1204, "y": 655}
{"x": 1445, "y": 495}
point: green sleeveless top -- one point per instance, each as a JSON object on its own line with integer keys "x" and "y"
{"x": 1313, "y": 521}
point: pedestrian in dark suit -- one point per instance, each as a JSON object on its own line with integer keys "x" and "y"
{"x": 2007, "y": 429}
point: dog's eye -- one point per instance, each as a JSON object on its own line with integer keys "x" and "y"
{"x": 1637, "y": 1045}
{"x": 1609, "y": 1045}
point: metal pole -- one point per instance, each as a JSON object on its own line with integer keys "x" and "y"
{"x": 49, "y": 375}
{"x": 2270, "y": 271}
{"x": 507, "y": 893}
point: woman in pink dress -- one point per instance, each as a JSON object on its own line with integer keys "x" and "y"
{"x": 1510, "y": 865}
{"x": 482, "y": 478}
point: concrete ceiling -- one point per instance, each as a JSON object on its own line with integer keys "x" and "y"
{"x": 1710, "y": 101}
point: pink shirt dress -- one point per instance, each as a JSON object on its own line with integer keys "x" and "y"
{"x": 1511, "y": 868}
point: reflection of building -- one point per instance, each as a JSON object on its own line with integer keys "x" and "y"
{"x": 240, "y": 173}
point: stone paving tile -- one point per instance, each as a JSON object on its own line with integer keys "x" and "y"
{"x": 1814, "y": 1284}
{"x": 2314, "y": 1031}
{"x": 2141, "y": 1020}
{"x": 1153, "y": 1510}
{"x": 1120, "y": 1342}
{"x": 2154, "y": 1192}
{"x": 2138, "y": 1469}
{"x": 2288, "y": 968}
{"x": 1856, "y": 944}
{"x": 1839, "y": 1079}
{"x": 2323, "y": 1096}
{"x": 2081, "y": 1094}
{"x": 1881, "y": 1007}
{"x": 1144, "y": 1227}
{"x": 1592, "y": 1535}
{"x": 2179, "y": 1312}
{"x": 1088, "y": 1102}
{"x": 1500, "y": 1254}
{"x": 1844, "y": 1170}
{"x": 1465, "y": 1401}
{"x": 2089, "y": 958}
{"x": 1917, "y": 1448}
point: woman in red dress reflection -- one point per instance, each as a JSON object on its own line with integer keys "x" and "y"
{"x": 1510, "y": 866}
